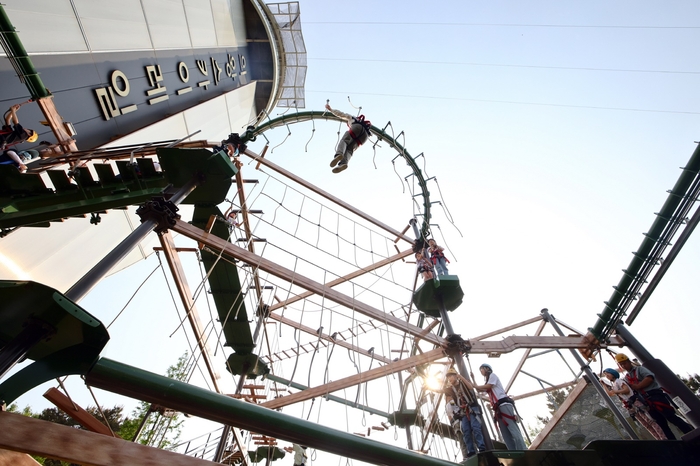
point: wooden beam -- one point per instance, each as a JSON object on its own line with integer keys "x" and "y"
{"x": 326, "y": 337}
{"x": 64, "y": 139}
{"x": 512, "y": 343}
{"x": 35, "y": 437}
{"x": 345, "y": 278}
{"x": 183, "y": 289}
{"x": 272, "y": 268}
{"x": 573, "y": 396}
{"x": 538, "y": 332}
{"x": 506, "y": 329}
{"x": 84, "y": 418}
{"x": 327, "y": 195}
{"x": 544, "y": 390}
{"x": 353, "y": 380}
{"x": 13, "y": 458}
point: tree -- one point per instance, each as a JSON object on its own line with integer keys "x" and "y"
{"x": 692, "y": 382}
{"x": 555, "y": 398}
{"x": 160, "y": 427}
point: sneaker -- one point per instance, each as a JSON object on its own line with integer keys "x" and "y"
{"x": 341, "y": 166}
{"x": 336, "y": 159}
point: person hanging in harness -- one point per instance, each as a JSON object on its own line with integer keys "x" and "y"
{"x": 643, "y": 381}
{"x": 356, "y": 135}
{"x": 467, "y": 413}
{"x": 12, "y": 133}
{"x": 503, "y": 408}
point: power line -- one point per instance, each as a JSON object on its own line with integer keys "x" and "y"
{"x": 541, "y": 104}
{"x": 565, "y": 26}
{"x": 422, "y": 62}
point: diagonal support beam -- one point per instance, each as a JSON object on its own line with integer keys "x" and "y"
{"x": 43, "y": 438}
{"x": 345, "y": 278}
{"x": 526, "y": 355}
{"x": 351, "y": 381}
{"x": 327, "y": 338}
{"x": 183, "y": 289}
{"x": 327, "y": 195}
{"x": 330, "y": 294}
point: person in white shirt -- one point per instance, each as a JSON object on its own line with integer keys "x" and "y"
{"x": 503, "y": 408}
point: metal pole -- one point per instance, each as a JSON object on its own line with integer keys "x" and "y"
{"x": 459, "y": 360}
{"x": 136, "y": 383}
{"x": 664, "y": 375}
{"x": 593, "y": 379}
{"x": 97, "y": 273}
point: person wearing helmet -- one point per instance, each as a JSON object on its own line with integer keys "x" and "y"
{"x": 503, "y": 407}
{"x": 643, "y": 381}
{"x": 12, "y": 132}
{"x": 457, "y": 389}
{"x": 636, "y": 409}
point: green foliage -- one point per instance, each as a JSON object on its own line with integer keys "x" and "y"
{"x": 692, "y": 382}
{"x": 161, "y": 427}
{"x": 555, "y": 399}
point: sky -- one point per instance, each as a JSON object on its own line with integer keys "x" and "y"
{"x": 553, "y": 132}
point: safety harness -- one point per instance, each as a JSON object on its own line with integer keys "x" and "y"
{"x": 496, "y": 405}
{"x": 655, "y": 398}
{"x": 434, "y": 256}
{"x": 366, "y": 125}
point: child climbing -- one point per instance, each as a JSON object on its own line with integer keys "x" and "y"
{"x": 425, "y": 268}
{"x": 437, "y": 256}
{"x": 356, "y": 135}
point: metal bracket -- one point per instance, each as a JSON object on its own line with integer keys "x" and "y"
{"x": 163, "y": 212}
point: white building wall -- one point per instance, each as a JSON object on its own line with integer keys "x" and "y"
{"x": 69, "y": 26}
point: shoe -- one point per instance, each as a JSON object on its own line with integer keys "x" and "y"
{"x": 336, "y": 159}
{"x": 341, "y": 166}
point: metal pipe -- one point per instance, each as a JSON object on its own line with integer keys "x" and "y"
{"x": 136, "y": 383}
{"x": 90, "y": 279}
{"x": 593, "y": 379}
{"x": 20, "y": 58}
{"x": 665, "y": 376}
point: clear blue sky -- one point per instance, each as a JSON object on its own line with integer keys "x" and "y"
{"x": 554, "y": 130}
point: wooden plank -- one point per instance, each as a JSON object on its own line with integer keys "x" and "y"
{"x": 506, "y": 329}
{"x": 326, "y": 338}
{"x": 541, "y": 391}
{"x": 266, "y": 265}
{"x": 353, "y": 380}
{"x": 13, "y": 458}
{"x": 330, "y": 294}
{"x": 327, "y": 195}
{"x": 513, "y": 343}
{"x": 345, "y": 278}
{"x": 84, "y": 418}
{"x": 538, "y": 332}
{"x": 35, "y": 437}
{"x": 183, "y": 289}
{"x": 573, "y": 396}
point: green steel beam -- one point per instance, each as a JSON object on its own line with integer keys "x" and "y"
{"x": 301, "y": 117}
{"x": 19, "y": 58}
{"x": 337, "y": 399}
{"x": 612, "y": 313}
{"x": 136, "y": 383}
{"x": 12, "y": 216}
